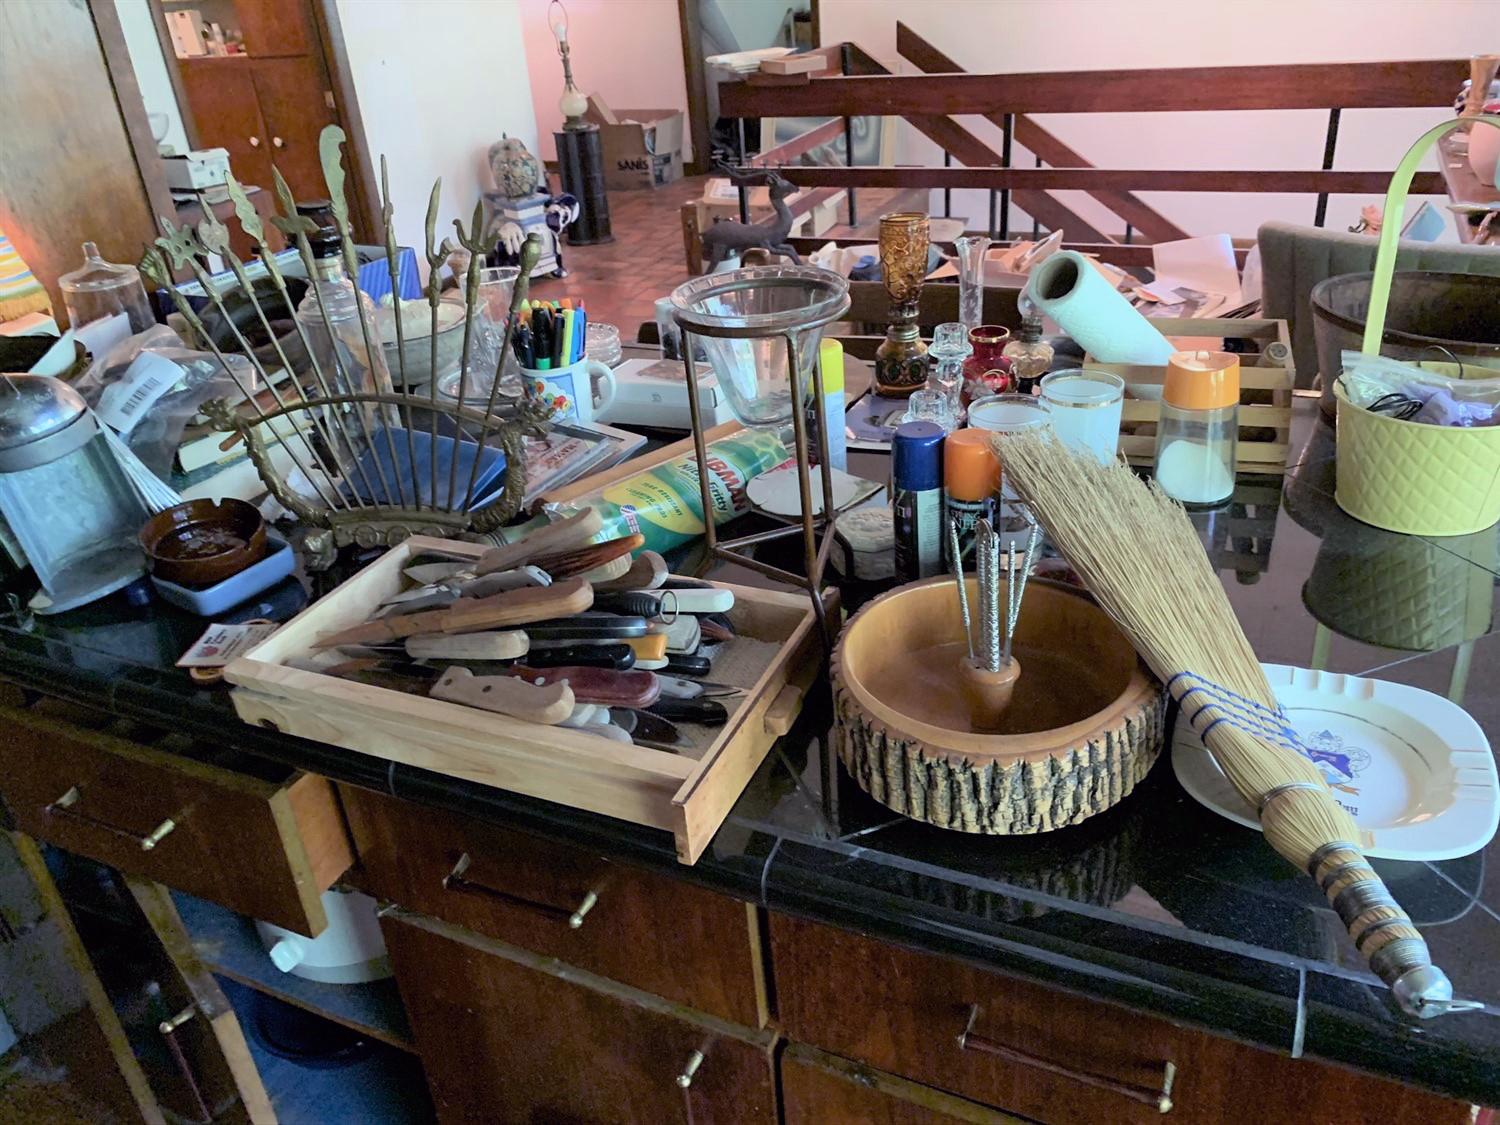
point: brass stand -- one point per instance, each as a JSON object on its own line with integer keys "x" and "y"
{"x": 815, "y": 554}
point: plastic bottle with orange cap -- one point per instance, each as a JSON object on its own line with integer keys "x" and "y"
{"x": 1199, "y": 427}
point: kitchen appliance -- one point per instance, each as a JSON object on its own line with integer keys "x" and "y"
{"x": 64, "y": 495}
{"x": 198, "y": 169}
{"x": 349, "y": 951}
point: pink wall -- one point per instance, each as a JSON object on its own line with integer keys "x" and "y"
{"x": 628, "y": 51}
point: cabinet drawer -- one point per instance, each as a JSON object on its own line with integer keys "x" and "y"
{"x": 503, "y": 1041}
{"x": 655, "y": 933}
{"x": 266, "y": 842}
{"x": 1048, "y": 1054}
{"x": 818, "y": 1088}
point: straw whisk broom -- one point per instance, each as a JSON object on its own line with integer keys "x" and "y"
{"x": 1138, "y": 553}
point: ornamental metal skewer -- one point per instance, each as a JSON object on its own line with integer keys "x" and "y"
{"x": 339, "y": 436}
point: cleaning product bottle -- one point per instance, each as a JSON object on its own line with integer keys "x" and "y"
{"x": 971, "y": 485}
{"x": 831, "y": 362}
{"x": 917, "y": 499}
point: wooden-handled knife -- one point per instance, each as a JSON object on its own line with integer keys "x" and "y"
{"x": 507, "y": 695}
{"x": 473, "y": 615}
{"x": 597, "y": 685}
{"x": 561, "y": 535}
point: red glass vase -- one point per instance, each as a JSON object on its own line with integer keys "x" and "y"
{"x": 986, "y": 371}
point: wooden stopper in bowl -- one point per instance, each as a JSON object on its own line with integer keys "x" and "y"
{"x": 988, "y": 693}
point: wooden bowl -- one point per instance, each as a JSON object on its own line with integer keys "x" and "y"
{"x": 200, "y": 543}
{"x": 1085, "y": 724}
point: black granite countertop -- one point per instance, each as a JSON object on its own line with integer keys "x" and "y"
{"x": 1158, "y": 903}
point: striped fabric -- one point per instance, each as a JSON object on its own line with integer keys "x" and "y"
{"x": 20, "y": 291}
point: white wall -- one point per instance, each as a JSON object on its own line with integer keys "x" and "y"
{"x": 628, "y": 51}
{"x": 438, "y": 81}
{"x": 150, "y": 68}
{"x": 1065, "y": 35}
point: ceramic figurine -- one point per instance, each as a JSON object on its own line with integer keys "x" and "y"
{"x": 562, "y": 210}
{"x": 516, "y": 171}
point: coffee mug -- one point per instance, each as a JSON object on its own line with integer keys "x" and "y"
{"x": 579, "y": 392}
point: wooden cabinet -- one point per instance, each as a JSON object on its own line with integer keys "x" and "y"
{"x": 272, "y": 28}
{"x": 502, "y": 1041}
{"x": 265, "y": 111}
{"x": 266, "y": 846}
{"x": 1047, "y": 1054}
{"x": 645, "y": 930}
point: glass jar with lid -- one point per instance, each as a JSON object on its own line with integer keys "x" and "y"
{"x": 103, "y": 289}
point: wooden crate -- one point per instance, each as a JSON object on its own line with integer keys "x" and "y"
{"x": 1266, "y": 379}
{"x": 685, "y": 796}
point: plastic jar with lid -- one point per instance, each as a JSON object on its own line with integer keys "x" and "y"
{"x": 1199, "y": 427}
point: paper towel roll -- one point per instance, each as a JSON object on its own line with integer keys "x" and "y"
{"x": 1072, "y": 292}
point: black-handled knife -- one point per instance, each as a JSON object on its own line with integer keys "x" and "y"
{"x": 621, "y": 658}
{"x": 707, "y": 712}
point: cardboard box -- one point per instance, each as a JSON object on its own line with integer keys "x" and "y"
{"x": 196, "y": 170}
{"x": 642, "y": 147}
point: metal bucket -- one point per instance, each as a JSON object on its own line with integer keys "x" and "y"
{"x": 1459, "y": 312}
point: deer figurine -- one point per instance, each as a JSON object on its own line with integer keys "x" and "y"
{"x": 725, "y": 238}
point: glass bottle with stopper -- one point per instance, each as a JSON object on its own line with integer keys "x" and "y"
{"x": 1199, "y": 427}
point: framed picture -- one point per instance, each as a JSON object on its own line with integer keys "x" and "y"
{"x": 874, "y": 139}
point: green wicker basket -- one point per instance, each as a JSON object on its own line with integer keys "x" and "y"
{"x": 1404, "y": 476}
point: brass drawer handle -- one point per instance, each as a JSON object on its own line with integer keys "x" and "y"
{"x": 1160, "y": 1099}
{"x": 64, "y": 806}
{"x": 455, "y": 881}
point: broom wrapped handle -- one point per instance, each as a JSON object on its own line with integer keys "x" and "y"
{"x": 1383, "y": 932}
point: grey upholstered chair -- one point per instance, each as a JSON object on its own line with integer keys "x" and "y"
{"x": 1295, "y": 258}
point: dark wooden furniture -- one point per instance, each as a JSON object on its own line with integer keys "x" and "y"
{"x": 504, "y": 1039}
{"x": 268, "y": 105}
{"x": 69, "y": 171}
{"x": 656, "y": 934}
{"x": 665, "y": 1002}
{"x": 930, "y": 102}
{"x": 266, "y": 846}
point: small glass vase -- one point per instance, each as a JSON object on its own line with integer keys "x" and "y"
{"x": 971, "y": 251}
{"x": 987, "y": 371}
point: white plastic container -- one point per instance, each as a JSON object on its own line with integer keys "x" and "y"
{"x": 350, "y": 951}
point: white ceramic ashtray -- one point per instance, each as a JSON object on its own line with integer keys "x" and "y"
{"x": 1413, "y": 769}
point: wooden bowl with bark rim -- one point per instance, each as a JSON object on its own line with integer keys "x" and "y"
{"x": 1084, "y": 726}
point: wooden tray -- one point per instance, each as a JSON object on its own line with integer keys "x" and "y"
{"x": 1266, "y": 377}
{"x": 687, "y": 796}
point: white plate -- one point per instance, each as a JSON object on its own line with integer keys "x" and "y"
{"x": 1413, "y": 768}
{"x": 779, "y": 493}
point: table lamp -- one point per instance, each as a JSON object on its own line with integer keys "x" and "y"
{"x": 580, "y": 153}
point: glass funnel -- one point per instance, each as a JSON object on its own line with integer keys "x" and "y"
{"x": 743, "y": 318}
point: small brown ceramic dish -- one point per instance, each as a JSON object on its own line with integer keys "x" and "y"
{"x": 202, "y": 542}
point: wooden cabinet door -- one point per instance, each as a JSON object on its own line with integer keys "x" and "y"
{"x": 293, "y": 102}
{"x": 276, "y": 27}
{"x": 505, "y": 1042}
{"x": 221, "y": 98}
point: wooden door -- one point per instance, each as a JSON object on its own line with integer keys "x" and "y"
{"x": 221, "y": 98}
{"x": 293, "y": 96}
{"x": 505, "y": 1042}
{"x": 274, "y": 28}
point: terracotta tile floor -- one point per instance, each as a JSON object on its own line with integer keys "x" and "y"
{"x": 621, "y": 280}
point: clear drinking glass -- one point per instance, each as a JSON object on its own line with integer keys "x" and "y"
{"x": 1085, "y": 408}
{"x": 764, "y": 303}
{"x": 1008, "y": 414}
{"x": 950, "y": 347}
{"x": 971, "y": 251}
